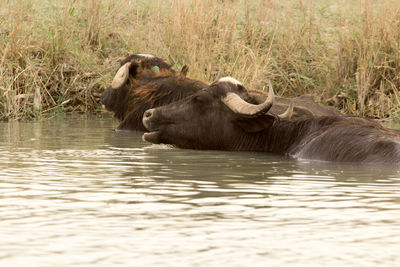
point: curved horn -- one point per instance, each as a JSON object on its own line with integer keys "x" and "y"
{"x": 239, "y": 106}
{"x": 121, "y": 77}
{"x": 287, "y": 115}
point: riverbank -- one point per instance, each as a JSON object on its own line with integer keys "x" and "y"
{"x": 58, "y": 56}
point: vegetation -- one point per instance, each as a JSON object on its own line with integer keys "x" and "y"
{"x": 59, "y": 55}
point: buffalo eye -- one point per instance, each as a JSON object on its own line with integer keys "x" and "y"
{"x": 197, "y": 99}
{"x": 199, "y": 103}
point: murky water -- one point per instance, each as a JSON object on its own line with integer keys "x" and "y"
{"x": 75, "y": 193}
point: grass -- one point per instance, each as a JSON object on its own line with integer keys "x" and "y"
{"x": 58, "y": 56}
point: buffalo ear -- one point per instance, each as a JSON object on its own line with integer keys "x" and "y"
{"x": 184, "y": 71}
{"x": 257, "y": 124}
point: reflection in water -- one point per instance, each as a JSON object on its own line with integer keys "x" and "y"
{"x": 74, "y": 192}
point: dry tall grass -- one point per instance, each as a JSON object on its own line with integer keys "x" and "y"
{"x": 60, "y": 55}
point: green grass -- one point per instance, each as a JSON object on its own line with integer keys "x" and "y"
{"x": 58, "y": 56}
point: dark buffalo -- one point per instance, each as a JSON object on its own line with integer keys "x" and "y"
{"x": 219, "y": 117}
{"x": 143, "y": 82}
{"x": 146, "y": 81}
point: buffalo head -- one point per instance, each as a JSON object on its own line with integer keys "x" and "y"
{"x": 132, "y": 67}
{"x": 213, "y": 118}
{"x": 142, "y": 82}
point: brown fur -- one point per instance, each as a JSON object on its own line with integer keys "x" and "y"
{"x": 156, "y": 93}
{"x": 147, "y": 88}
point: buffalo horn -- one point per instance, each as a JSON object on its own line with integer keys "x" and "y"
{"x": 239, "y": 106}
{"x": 287, "y": 115}
{"x": 121, "y": 76}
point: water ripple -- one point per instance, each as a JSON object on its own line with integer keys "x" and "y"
{"x": 94, "y": 196}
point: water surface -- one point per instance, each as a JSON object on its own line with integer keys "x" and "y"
{"x": 73, "y": 192}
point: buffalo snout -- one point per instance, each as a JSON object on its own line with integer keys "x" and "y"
{"x": 148, "y": 113}
{"x": 153, "y": 136}
{"x": 146, "y": 118}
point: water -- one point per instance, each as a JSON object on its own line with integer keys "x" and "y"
{"x": 75, "y": 193}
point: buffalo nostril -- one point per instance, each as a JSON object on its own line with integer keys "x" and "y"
{"x": 148, "y": 113}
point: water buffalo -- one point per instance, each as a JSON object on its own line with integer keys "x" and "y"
{"x": 143, "y": 82}
{"x": 146, "y": 81}
{"x": 219, "y": 117}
